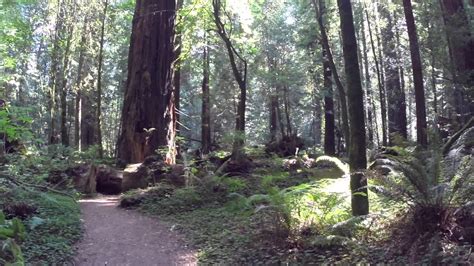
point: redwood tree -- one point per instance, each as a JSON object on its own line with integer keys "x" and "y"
{"x": 148, "y": 114}
{"x": 397, "y": 115}
{"x": 357, "y": 149}
{"x": 421, "y": 134}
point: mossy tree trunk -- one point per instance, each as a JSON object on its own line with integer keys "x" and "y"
{"x": 357, "y": 149}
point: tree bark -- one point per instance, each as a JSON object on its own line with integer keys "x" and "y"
{"x": 63, "y": 89}
{"x": 78, "y": 102}
{"x": 206, "y": 106}
{"x": 461, "y": 50}
{"x": 368, "y": 84}
{"x": 99, "y": 82}
{"x": 357, "y": 149}
{"x": 397, "y": 115}
{"x": 273, "y": 117}
{"x": 383, "y": 106}
{"x": 148, "y": 114}
{"x": 421, "y": 126}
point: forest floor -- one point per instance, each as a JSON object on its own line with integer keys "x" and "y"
{"x": 116, "y": 236}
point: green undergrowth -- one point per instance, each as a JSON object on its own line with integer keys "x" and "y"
{"x": 52, "y": 224}
{"x": 269, "y": 216}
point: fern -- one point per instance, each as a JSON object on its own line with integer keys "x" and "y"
{"x": 418, "y": 178}
{"x": 344, "y": 167}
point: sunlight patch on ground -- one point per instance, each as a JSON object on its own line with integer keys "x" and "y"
{"x": 339, "y": 185}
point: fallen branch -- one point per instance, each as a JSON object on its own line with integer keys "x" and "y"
{"x": 28, "y": 185}
{"x": 456, "y": 136}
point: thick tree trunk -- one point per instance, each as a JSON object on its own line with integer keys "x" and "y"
{"x": 461, "y": 51}
{"x": 357, "y": 149}
{"x": 148, "y": 114}
{"x": 421, "y": 127}
{"x": 206, "y": 106}
{"x": 286, "y": 102}
{"x": 177, "y": 69}
{"x": 383, "y": 106}
{"x": 397, "y": 115}
{"x": 99, "y": 81}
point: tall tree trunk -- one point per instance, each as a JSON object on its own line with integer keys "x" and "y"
{"x": 53, "y": 80}
{"x": 148, "y": 113}
{"x": 337, "y": 80}
{"x": 421, "y": 127}
{"x": 368, "y": 85}
{"x": 78, "y": 102}
{"x": 286, "y": 102}
{"x": 63, "y": 89}
{"x": 240, "y": 75}
{"x": 357, "y": 149}
{"x": 461, "y": 51}
{"x": 273, "y": 117}
{"x": 206, "y": 106}
{"x": 177, "y": 66}
{"x": 329, "y": 138}
{"x": 329, "y": 123}
{"x": 397, "y": 115}
{"x": 383, "y": 106}
{"x": 99, "y": 81}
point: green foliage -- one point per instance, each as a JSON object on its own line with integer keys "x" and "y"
{"x": 12, "y": 232}
{"x": 271, "y": 179}
{"x": 52, "y": 233}
{"x": 15, "y": 122}
{"x": 416, "y": 178}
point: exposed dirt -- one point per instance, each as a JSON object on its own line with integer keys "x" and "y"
{"x": 115, "y": 236}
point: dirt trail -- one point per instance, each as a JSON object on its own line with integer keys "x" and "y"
{"x": 114, "y": 236}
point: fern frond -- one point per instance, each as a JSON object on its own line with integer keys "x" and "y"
{"x": 344, "y": 167}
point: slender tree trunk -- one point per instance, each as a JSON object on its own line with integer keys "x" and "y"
{"x": 206, "y": 106}
{"x": 368, "y": 84}
{"x": 63, "y": 89}
{"x": 99, "y": 82}
{"x": 329, "y": 138}
{"x": 383, "y": 106}
{"x": 78, "y": 102}
{"x": 273, "y": 117}
{"x": 148, "y": 114}
{"x": 337, "y": 80}
{"x": 240, "y": 75}
{"x": 357, "y": 148}
{"x": 53, "y": 81}
{"x": 421, "y": 126}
